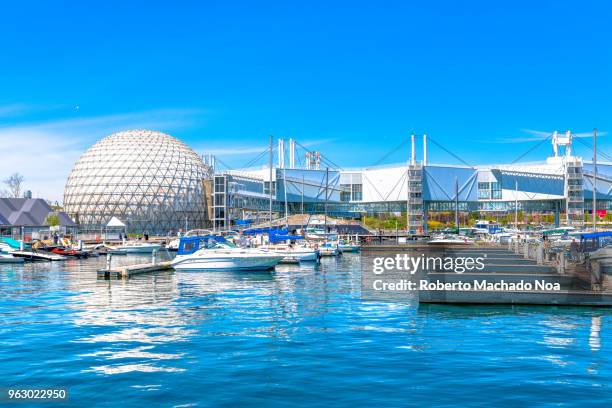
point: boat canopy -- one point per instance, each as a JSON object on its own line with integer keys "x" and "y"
{"x": 561, "y": 230}
{"x": 266, "y": 230}
{"x": 274, "y": 238}
{"x": 591, "y": 241}
{"x": 188, "y": 245}
{"x": 592, "y": 235}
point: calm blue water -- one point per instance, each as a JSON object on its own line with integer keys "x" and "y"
{"x": 296, "y": 337}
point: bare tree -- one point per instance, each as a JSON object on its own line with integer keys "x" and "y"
{"x": 14, "y": 184}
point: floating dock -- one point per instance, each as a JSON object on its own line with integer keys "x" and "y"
{"x": 130, "y": 270}
{"x": 573, "y": 285}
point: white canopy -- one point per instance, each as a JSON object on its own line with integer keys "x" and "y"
{"x": 115, "y": 222}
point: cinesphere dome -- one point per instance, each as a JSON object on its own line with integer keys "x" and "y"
{"x": 151, "y": 181}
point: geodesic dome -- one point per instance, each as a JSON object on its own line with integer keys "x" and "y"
{"x": 151, "y": 181}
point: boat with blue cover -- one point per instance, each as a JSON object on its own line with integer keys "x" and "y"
{"x": 215, "y": 253}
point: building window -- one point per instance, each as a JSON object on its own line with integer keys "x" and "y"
{"x": 484, "y": 190}
{"x": 267, "y": 188}
{"x": 357, "y": 192}
{"x": 345, "y": 192}
{"x": 219, "y": 184}
{"x": 496, "y": 192}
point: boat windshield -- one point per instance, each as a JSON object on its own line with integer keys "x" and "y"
{"x": 220, "y": 245}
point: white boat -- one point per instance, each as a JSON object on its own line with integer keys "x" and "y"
{"x": 216, "y": 254}
{"x": 8, "y": 258}
{"x": 137, "y": 247}
{"x": 38, "y": 255}
{"x": 449, "y": 239}
{"x": 173, "y": 245}
{"x": 292, "y": 253}
{"x": 319, "y": 234}
{"x": 348, "y": 247}
{"x": 329, "y": 249}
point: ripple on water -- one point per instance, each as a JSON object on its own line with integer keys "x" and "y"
{"x": 298, "y": 336}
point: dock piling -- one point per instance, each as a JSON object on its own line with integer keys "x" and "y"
{"x": 540, "y": 254}
{"x": 561, "y": 266}
{"x": 154, "y": 257}
{"x": 109, "y": 258}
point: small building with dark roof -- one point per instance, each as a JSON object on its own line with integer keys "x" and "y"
{"x": 30, "y": 215}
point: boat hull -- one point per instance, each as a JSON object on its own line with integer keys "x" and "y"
{"x": 225, "y": 264}
{"x": 348, "y": 248}
{"x": 138, "y": 249}
{"x": 10, "y": 259}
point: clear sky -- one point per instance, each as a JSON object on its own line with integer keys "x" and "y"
{"x": 348, "y": 78}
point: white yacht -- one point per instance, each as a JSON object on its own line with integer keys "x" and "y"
{"x": 137, "y": 247}
{"x": 211, "y": 253}
{"x": 292, "y": 253}
{"x": 450, "y": 239}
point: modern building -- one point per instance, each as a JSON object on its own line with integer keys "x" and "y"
{"x": 561, "y": 186}
{"x": 151, "y": 181}
{"x": 30, "y": 217}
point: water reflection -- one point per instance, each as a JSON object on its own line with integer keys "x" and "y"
{"x": 297, "y": 333}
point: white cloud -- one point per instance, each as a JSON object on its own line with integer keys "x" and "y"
{"x": 44, "y": 152}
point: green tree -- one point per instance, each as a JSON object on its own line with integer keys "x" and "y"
{"x": 52, "y": 220}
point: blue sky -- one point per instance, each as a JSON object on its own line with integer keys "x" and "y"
{"x": 348, "y": 78}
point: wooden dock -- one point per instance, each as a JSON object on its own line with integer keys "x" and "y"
{"x": 125, "y": 271}
{"x": 130, "y": 270}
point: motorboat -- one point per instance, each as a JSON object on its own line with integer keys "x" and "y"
{"x": 73, "y": 253}
{"x": 292, "y": 253}
{"x": 38, "y": 255}
{"x": 344, "y": 246}
{"x": 8, "y": 258}
{"x": 215, "y": 253}
{"x": 173, "y": 245}
{"x": 137, "y": 247}
{"x": 487, "y": 227}
{"x": 329, "y": 249}
{"x": 450, "y": 239}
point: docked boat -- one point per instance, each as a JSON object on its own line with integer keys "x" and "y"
{"x": 449, "y": 239}
{"x": 137, "y": 247}
{"x": 348, "y": 247}
{"x": 329, "y": 249}
{"x": 38, "y": 255}
{"x": 214, "y": 253}
{"x": 8, "y": 258}
{"x": 292, "y": 253}
{"x": 173, "y": 245}
{"x": 72, "y": 253}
